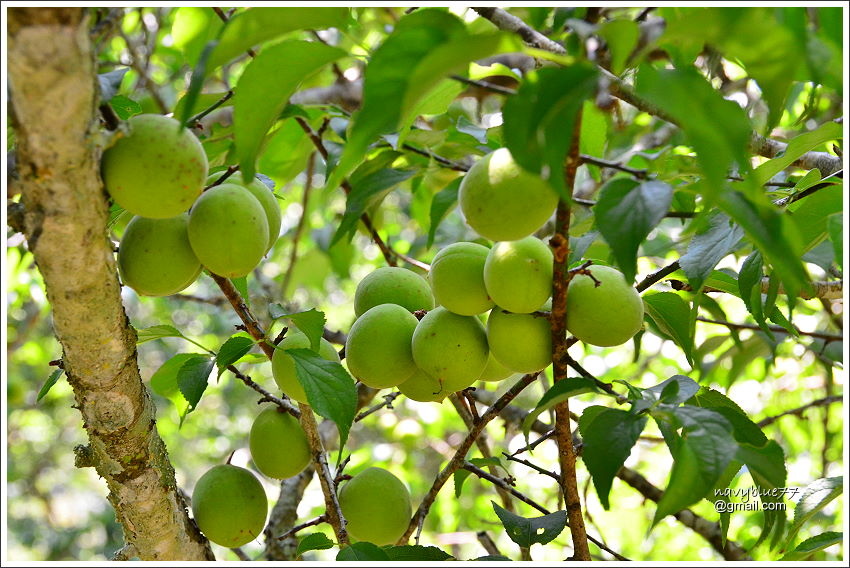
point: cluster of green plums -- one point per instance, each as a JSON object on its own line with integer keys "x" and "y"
{"x": 158, "y": 172}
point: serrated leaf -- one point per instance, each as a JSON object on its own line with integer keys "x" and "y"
{"x": 707, "y": 249}
{"x": 608, "y": 438}
{"x": 315, "y": 541}
{"x": 539, "y": 120}
{"x": 362, "y": 552}
{"x": 156, "y": 332}
{"x": 812, "y": 545}
{"x": 525, "y": 531}
{"x": 814, "y": 498}
{"x": 626, "y": 212}
{"x": 232, "y": 350}
{"x": 362, "y": 192}
{"x": 797, "y": 146}
{"x": 110, "y": 83}
{"x": 264, "y": 90}
{"x": 192, "y": 378}
{"x": 442, "y": 202}
{"x": 329, "y": 388}
{"x": 48, "y": 384}
{"x": 311, "y": 322}
{"x": 416, "y": 553}
{"x": 673, "y": 317}
{"x": 560, "y": 391}
{"x": 124, "y": 107}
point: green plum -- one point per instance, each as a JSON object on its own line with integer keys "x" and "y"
{"x": 457, "y": 279}
{"x": 450, "y": 348}
{"x": 520, "y": 342}
{"x": 283, "y": 366}
{"x": 157, "y": 170}
{"x": 278, "y": 444}
{"x": 518, "y": 274}
{"x": 495, "y": 371}
{"x": 228, "y": 230}
{"x": 423, "y": 388}
{"x": 155, "y": 258}
{"x": 376, "y": 505}
{"x": 605, "y": 315}
{"x": 229, "y": 505}
{"x": 377, "y": 350}
{"x": 264, "y": 195}
{"x": 393, "y": 285}
{"x": 502, "y": 201}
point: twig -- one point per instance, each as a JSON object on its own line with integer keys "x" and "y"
{"x": 317, "y": 521}
{"x": 492, "y": 87}
{"x": 657, "y": 275}
{"x": 388, "y": 403}
{"x": 799, "y": 410}
{"x": 195, "y": 119}
{"x": 240, "y": 554}
{"x": 527, "y": 463}
{"x": 640, "y": 174}
{"x": 150, "y": 86}
{"x": 283, "y": 516}
{"x": 302, "y": 222}
{"x": 267, "y": 396}
{"x": 488, "y": 543}
{"x": 774, "y": 328}
{"x": 508, "y": 22}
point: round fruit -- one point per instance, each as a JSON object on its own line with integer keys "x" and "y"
{"x": 503, "y": 202}
{"x": 278, "y": 445}
{"x": 378, "y": 349}
{"x": 423, "y": 388}
{"x": 376, "y": 505}
{"x": 393, "y": 285}
{"x": 450, "y": 348}
{"x": 283, "y": 366}
{"x": 157, "y": 170}
{"x": 264, "y": 195}
{"x": 605, "y": 315}
{"x": 228, "y": 230}
{"x": 229, "y": 505}
{"x": 520, "y": 342}
{"x": 494, "y": 371}
{"x": 457, "y": 279}
{"x": 518, "y": 274}
{"x": 155, "y": 258}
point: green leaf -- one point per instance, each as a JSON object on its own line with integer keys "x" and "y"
{"x": 745, "y": 430}
{"x": 815, "y": 497}
{"x": 491, "y": 558}
{"x": 797, "y": 146}
{"x": 196, "y": 83}
{"x": 311, "y": 322}
{"x": 708, "y": 248}
{"x": 675, "y": 390}
{"x": 156, "y": 332}
{"x": 48, "y": 384}
{"x": 812, "y": 545}
{"x": 810, "y": 214}
{"x": 425, "y": 47}
{"x": 257, "y": 25}
{"x": 203, "y": 101}
{"x": 442, "y": 202}
{"x": 625, "y": 214}
{"x": 363, "y": 190}
{"x": 526, "y": 532}
{"x": 540, "y": 119}
{"x": 164, "y": 380}
{"x": 124, "y": 107}
{"x": 192, "y": 378}
{"x": 699, "y": 108}
{"x": 835, "y": 228}
{"x": 193, "y": 28}
{"x": 315, "y": 541}
{"x": 608, "y": 440}
{"x": 110, "y": 83}
{"x": 232, "y": 350}
{"x": 561, "y": 391}
{"x": 416, "y": 553}
{"x": 329, "y": 388}
{"x": 673, "y": 317}
{"x": 362, "y": 552}
{"x": 264, "y": 90}
{"x": 621, "y": 37}
{"x": 285, "y": 152}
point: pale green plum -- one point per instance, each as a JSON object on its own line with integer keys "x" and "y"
{"x": 423, "y": 388}
{"x": 457, "y": 279}
{"x": 229, "y": 505}
{"x": 605, "y": 315}
{"x": 264, "y": 195}
{"x": 518, "y": 274}
{"x": 450, "y": 348}
{"x": 376, "y": 505}
{"x": 155, "y": 258}
{"x": 393, "y": 285}
{"x": 495, "y": 371}
{"x": 157, "y": 170}
{"x": 502, "y": 201}
{"x": 228, "y": 230}
{"x": 521, "y": 342}
{"x": 378, "y": 348}
{"x": 278, "y": 444}
{"x": 283, "y": 366}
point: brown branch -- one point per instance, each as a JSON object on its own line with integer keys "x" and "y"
{"x": 657, "y": 276}
{"x": 800, "y": 410}
{"x": 317, "y": 521}
{"x": 283, "y": 517}
{"x": 488, "y": 543}
{"x": 388, "y": 403}
{"x": 509, "y": 22}
{"x": 267, "y": 396}
{"x": 774, "y": 328}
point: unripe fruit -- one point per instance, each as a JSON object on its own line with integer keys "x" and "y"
{"x": 521, "y": 342}
{"x": 376, "y": 505}
{"x": 518, "y": 274}
{"x": 264, "y": 195}
{"x": 457, "y": 279}
{"x": 229, "y": 505}
{"x": 283, "y": 366}
{"x": 605, "y": 315}
{"x": 378, "y": 350}
{"x": 495, "y": 371}
{"x": 228, "y": 230}
{"x": 502, "y": 201}
{"x": 278, "y": 444}
{"x": 155, "y": 258}
{"x": 450, "y": 348}
{"x": 157, "y": 170}
{"x": 423, "y": 388}
{"x": 393, "y": 285}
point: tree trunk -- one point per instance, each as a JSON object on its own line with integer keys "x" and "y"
{"x": 53, "y": 102}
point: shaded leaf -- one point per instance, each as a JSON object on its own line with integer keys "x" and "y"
{"x": 48, "y": 384}
{"x": 811, "y": 212}
{"x": 708, "y": 248}
{"x": 315, "y": 541}
{"x": 416, "y": 553}
{"x": 685, "y": 388}
{"x": 526, "y": 532}
{"x": 835, "y": 228}
{"x": 621, "y": 37}
{"x": 362, "y": 552}
{"x": 362, "y": 192}
{"x": 673, "y": 317}
{"x": 232, "y": 350}
{"x": 745, "y": 430}
{"x": 192, "y": 378}
{"x": 110, "y": 83}
{"x": 560, "y": 391}
{"x": 812, "y": 545}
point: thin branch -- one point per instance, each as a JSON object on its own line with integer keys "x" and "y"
{"x": 488, "y": 543}
{"x": 800, "y": 410}
{"x": 527, "y": 463}
{"x": 302, "y": 222}
{"x": 509, "y": 22}
{"x": 317, "y": 521}
{"x": 267, "y": 396}
{"x": 388, "y": 403}
{"x": 774, "y": 328}
{"x": 657, "y": 276}
{"x": 492, "y": 87}
{"x": 195, "y": 119}
{"x": 640, "y": 174}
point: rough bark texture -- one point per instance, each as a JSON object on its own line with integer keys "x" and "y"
{"x": 53, "y": 103}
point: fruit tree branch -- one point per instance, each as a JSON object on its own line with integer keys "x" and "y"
{"x": 774, "y": 328}
{"x": 799, "y": 410}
